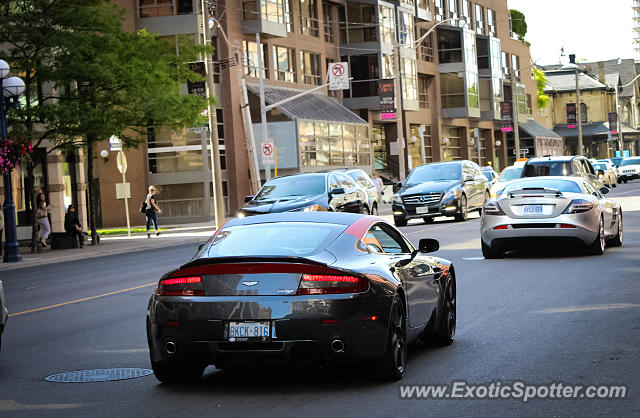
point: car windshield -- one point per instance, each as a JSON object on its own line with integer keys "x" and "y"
{"x": 631, "y": 161}
{"x": 273, "y": 239}
{"x": 547, "y": 168}
{"x": 435, "y": 172}
{"x": 510, "y": 174}
{"x": 566, "y": 186}
{"x": 307, "y": 185}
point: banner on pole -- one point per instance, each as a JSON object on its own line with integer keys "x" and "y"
{"x": 506, "y": 114}
{"x": 613, "y": 123}
{"x": 197, "y": 88}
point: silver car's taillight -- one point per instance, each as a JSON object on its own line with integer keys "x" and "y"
{"x": 492, "y": 208}
{"x": 579, "y": 206}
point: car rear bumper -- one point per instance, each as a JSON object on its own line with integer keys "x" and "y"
{"x": 198, "y": 328}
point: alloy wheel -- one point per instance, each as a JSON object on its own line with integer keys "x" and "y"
{"x": 450, "y": 303}
{"x": 603, "y": 242}
{"x": 398, "y": 340}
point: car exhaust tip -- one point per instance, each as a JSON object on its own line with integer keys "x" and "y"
{"x": 337, "y": 346}
{"x": 170, "y": 347}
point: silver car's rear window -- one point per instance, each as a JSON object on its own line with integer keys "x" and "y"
{"x": 566, "y": 186}
{"x": 273, "y": 239}
{"x": 547, "y": 168}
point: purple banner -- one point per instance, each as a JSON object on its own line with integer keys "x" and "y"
{"x": 613, "y": 123}
{"x": 506, "y": 114}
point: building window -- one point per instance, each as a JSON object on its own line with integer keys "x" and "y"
{"x": 424, "y": 4}
{"x": 406, "y": 30}
{"x": 409, "y": 73}
{"x": 284, "y": 64}
{"x": 426, "y": 47}
{"x": 584, "y": 117}
{"x": 216, "y": 60}
{"x": 415, "y": 144}
{"x": 309, "y": 17}
{"x": 409, "y": 3}
{"x": 521, "y": 97}
{"x": 492, "y": 24}
{"x": 515, "y": 66}
{"x": 155, "y": 8}
{"x": 270, "y": 10}
{"x": 479, "y": 15}
{"x": 438, "y": 9}
{"x": 505, "y": 65}
{"x": 333, "y": 144}
{"x": 451, "y": 148}
{"x": 251, "y": 59}
{"x": 365, "y": 73}
{"x": 424, "y": 83}
{"x": 449, "y": 47}
{"x": 288, "y": 15}
{"x": 310, "y": 68}
{"x": 388, "y": 66}
{"x": 362, "y": 25}
{"x": 329, "y": 25}
{"x": 451, "y": 91}
{"x": 465, "y": 13}
{"x": 452, "y": 9}
{"x": 529, "y": 104}
{"x": 387, "y": 25}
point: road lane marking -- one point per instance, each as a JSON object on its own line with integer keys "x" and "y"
{"x": 605, "y": 307}
{"x": 57, "y": 305}
{"x": 11, "y": 405}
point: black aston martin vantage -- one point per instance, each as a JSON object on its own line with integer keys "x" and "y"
{"x": 318, "y": 287}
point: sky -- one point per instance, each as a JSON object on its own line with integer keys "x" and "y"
{"x": 594, "y": 30}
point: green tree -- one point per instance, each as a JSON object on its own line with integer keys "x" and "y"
{"x": 518, "y": 24}
{"x": 541, "y": 84}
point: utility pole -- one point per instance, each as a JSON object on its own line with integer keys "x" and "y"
{"x": 263, "y": 112}
{"x": 515, "y": 110}
{"x": 579, "y": 114}
{"x": 620, "y": 140}
{"x": 399, "y": 122}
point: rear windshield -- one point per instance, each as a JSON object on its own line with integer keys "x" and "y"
{"x": 274, "y": 239}
{"x": 631, "y": 161}
{"x": 510, "y": 174}
{"x": 307, "y": 185}
{"x": 547, "y": 168}
{"x": 566, "y": 186}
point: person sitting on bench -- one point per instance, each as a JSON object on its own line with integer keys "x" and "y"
{"x": 72, "y": 225}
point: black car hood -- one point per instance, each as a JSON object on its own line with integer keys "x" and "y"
{"x": 439, "y": 186}
{"x": 278, "y": 205}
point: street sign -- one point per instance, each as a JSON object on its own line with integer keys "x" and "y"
{"x": 123, "y": 190}
{"x": 121, "y": 161}
{"x": 268, "y": 152}
{"x": 338, "y": 76}
{"x": 522, "y": 151}
{"x": 114, "y": 143}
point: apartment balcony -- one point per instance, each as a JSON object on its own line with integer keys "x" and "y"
{"x": 265, "y": 17}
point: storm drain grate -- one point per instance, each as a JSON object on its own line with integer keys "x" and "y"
{"x": 98, "y": 375}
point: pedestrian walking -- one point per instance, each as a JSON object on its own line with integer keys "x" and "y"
{"x": 72, "y": 225}
{"x": 152, "y": 211}
{"x": 377, "y": 181}
{"x": 42, "y": 213}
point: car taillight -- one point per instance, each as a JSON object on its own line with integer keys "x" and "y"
{"x": 181, "y": 286}
{"x": 579, "y": 206}
{"x": 492, "y": 208}
{"x": 321, "y": 284}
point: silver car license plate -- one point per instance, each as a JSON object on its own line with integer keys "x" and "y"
{"x": 533, "y": 209}
{"x": 249, "y": 330}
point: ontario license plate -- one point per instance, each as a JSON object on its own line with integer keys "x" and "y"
{"x": 244, "y": 331}
{"x": 533, "y": 209}
{"x": 422, "y": 209}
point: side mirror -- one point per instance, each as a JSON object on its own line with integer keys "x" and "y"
{"x": 604, "y": 190}
{"x": 248, "y": 199}
{"x": 468, "y": 178}
{"x": 428, "y": 245}
{"x": 397, "y": 186}
{"x": 337, "y": 190}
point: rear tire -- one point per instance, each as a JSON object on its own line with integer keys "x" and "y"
{"x": 490, "y": 252}
{"x": 394, "y": 361}
{"x": 597, "y": 248}
{"x": 171, "y": 373}
{"x": 464, "y": 210}
{"x": 447, "y": 320}
{"x": 616, "y": 241}
{"x": 400, "y": 221}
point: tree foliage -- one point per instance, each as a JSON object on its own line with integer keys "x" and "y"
{"x": 541, "y": 84}
{"x": 518, "y": 24}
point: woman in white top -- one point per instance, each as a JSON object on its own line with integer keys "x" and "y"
{"x": 152, "y": 211}
{"x": 42, "y": 213}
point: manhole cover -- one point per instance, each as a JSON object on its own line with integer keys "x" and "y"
{"x": 98, "y": 375}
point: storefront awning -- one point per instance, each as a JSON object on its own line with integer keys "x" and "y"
{"x": 591, "y": 129}
{"x": 310, "y": 107}
{"x": 535, "y": 130}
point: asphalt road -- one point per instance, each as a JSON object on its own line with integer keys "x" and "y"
{"x": 539, "y": 316}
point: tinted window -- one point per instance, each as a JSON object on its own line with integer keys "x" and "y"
{"x": 510, "y": 174}
{"x": 592, "y": 190}
{"x": 435, "y": 172}
{"x": 333, "y": 183}
{"x": 346, "y": 182}
{"x": 630, "y": 161}
{"x": 386, "y": 239}
{"x": 283, "y": 238}
{"x": 547, "y": 168}
{"x": 292, "y": 186}
{"x": 566, "y": 186}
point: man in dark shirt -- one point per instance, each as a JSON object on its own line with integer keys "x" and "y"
{"x": 72, "y": 225}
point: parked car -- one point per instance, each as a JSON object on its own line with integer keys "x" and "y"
{"x": 607, "y": 173}
{"x": 562, "y": 166}
{"x": 508, "y": 174}
{"x": 614, "y": 160}
{"x": 320, "y": 288}
{"x": 362, "y": 179}
{"x": 550, "y": 208}
{"x": 629, "y": 169}
{"x": 4, "y": 314}
{"x": 310, "y": 192}
{"x": 452, "y": 188}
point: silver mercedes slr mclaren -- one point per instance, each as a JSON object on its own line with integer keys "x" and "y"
{"x": 549, "y": 209}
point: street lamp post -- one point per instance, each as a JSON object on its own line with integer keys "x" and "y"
{"x": 11, "y": 88}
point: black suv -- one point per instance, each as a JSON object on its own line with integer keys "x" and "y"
{"x": 450, "y": 188}
{"x": 576, "y": 165}
{"x": 332, "y": 191}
